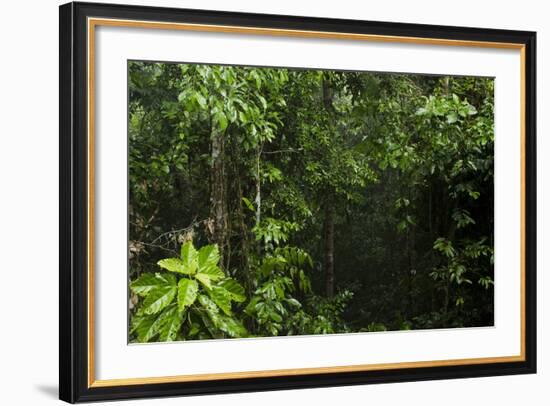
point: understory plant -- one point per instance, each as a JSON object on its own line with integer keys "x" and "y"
{"x": 189, "y": 298}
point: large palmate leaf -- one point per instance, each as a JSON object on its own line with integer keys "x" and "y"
{"x": 189, "y": 257}
{"x": 187, "y": 293}
{"x": 160, "y": 296}
{"x": 235, "y": 290}
{"x": 145, "y": 283}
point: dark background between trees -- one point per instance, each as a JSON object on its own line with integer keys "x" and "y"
{"x": 340, "y": 201}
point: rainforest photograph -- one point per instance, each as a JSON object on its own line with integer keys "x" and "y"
{"x": 273, "y": 201}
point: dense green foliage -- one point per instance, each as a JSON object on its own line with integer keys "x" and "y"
{"x": 194, "y": 292}
{"x": 321, "y": 201}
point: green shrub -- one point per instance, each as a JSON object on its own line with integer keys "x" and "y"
{"x": 191, "y": 298}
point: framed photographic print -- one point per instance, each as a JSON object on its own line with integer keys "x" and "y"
{"x": 255, "y": 202}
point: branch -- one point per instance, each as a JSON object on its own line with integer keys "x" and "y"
{"x": 169, "y": 234}
{"x": 282, "y": 151}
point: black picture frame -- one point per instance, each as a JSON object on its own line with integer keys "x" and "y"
{"x": 74, "y": 385}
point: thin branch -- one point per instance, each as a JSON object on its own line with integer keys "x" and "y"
{"x": 282, "y": 151}
{"x": 169, "y": 234}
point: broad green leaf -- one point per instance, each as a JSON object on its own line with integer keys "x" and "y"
{"x": 294, "y": 302}
{"x": 204, "y": 279}
{"x": 187, "y": 293}
{"x": 189, "y": 257}
{"x": 212, "y": 272}
{"x": 216, "y": 321}
{"x": 210, "y": 320}
{"x": 135, "y": 322}
{"x": 222, "y": 298}
{"x": 166, "y": 278}
{"x": 145, "y": 283}
{"x": 145, "y": 327}
{"x": 231, "y": 326}
{"x": 208, "y": 269}
{"x": 234, "y": 289}
{"x": 275, "y": 316}
{"x": 209, "y": 255}
{"x": 169, "y": 323}
{"x": 201, "y": 100}
{"x": 243, "y": 117}
{"x": 250, "y": 308}
{"x": 248, "y": 204}
{"x": 174, "y": 265}
{"x": 166, "y": 325}
{"x": 208, "y": 304}
{"x": 208, "y": 259}
{"x": 161, "y": 296}
{"x": 263, "y": 101}
{"x": 452, "y": 118}
{"x": 222, "y": 120}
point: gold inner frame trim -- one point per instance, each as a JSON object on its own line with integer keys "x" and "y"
{"x": 94, "y": 22}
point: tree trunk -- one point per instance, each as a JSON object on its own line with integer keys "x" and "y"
{"x": 329, "y": 248}
{"x": 258, "y": 198}
{"x": 244, "y": 233}
{"x": 217, "y": 194}
{"x": 328, "y": 94}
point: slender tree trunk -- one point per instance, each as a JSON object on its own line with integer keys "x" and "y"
{"x": 430, "y": 219}
{"x": 328, "y": 95}
{"x": 408, "y": 270}
{"x": 450, "y": 236}
{"x": 411, "y": 252}
{"x": 258, "y": 199}
{"x": 244, "y": 232}
{"x": 217, "y": 194}
{"x": 329, "y": 248}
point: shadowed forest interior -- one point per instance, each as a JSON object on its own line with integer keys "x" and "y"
{"x": 275, "y": 201}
